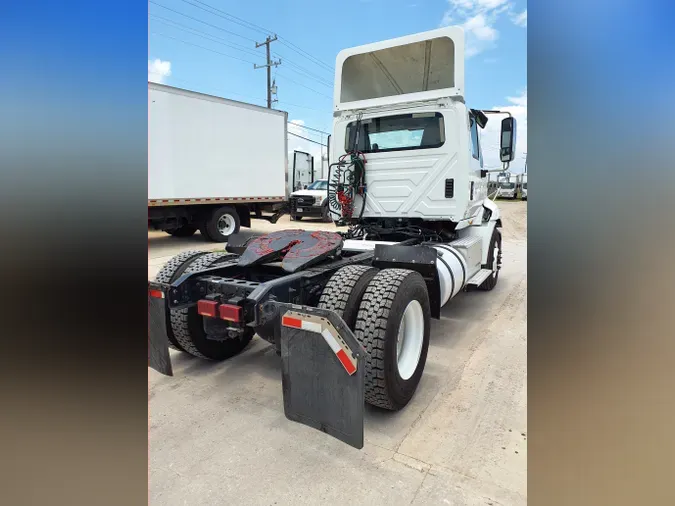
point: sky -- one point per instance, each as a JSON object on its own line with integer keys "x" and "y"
{"x": 209, "y": 46}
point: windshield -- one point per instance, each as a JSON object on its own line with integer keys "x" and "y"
{"x": 318, "y": 185}
{"x": 525, "y": 186}
{"x": 507, "y": 185}
{"x": 396, "y": 133}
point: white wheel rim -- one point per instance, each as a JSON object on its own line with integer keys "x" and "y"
{"x": 225, "y": 224}
{"x": 409, "y": 340}
{"x": 495, "y": 260}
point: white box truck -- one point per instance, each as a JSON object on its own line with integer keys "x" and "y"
{"x": 523, "y": 187}
{"x": 212, "y": 163}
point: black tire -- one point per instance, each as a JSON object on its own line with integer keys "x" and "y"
{"x": 491, "y": 282}
{"x": 184, "y": 231}
{"x": 204, "y": 232}
{"x": 344, "y": 291}
{"x": 211, "y": 228}
{"x": 295, "y": 217}
{"x": 171, "y": 271}
{"x": 187, "y": 325}
{"x": 377, "y": 325}
{"x": 325, "y": 214}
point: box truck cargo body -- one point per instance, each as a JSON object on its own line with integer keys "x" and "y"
{"x": 212, "y": 162}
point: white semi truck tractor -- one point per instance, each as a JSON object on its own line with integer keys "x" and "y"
{"x": 350, "y": 313}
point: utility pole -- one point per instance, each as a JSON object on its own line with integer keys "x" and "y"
{"x": 269, "y": 66}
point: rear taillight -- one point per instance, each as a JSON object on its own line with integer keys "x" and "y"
{"x": 230, "y": 312}
{"x": 207, "y": 308}
{"x": 158, "y": 294}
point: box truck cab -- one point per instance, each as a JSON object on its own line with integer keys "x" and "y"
{"x": 523, "y": 188}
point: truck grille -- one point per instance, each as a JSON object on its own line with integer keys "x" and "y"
{"x": 302, "y": 201}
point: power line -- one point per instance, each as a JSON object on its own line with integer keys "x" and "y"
{"x": 309, "y": 128}
{"x": 227, "y": 16}
{"x": 300, "y": 106}
{"x": 210, "y": 37}
{"x": 203, "y": 22}
{"x": 304, "y": 73}
{"x": 202, "y": 47}
{"x": 252, "y": 26}
{"x": 307, "y": 74}
{"x": 190, "y": 87}
{"x": 299, "y": 66}
{"x": 304, "y": 53}
{"x": 225, "y": 42}
{"x": 305, "y": 138}
{"x": 300, "y": 84}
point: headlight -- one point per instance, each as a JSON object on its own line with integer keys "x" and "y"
{"x": 318, "y": 200}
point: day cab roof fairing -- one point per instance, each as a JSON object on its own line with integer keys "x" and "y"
{"x": 423, "y": 66}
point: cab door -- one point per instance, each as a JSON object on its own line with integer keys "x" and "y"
{"x": 477, "y": 184}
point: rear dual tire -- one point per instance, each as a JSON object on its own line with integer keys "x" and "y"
{"x": 185, "y": 329}
{"x": 393, "y": 325}
{"x": 389, "y": 312}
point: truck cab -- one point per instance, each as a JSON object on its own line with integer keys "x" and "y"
{"x": 523, "y": 188}
{"x": 400, "y": 104}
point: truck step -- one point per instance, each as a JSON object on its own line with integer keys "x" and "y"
{"x": 465, "y": 242}
{"x": 479, "y": 277}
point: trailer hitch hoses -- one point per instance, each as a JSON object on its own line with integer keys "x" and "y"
{"x": 345, "y": 181}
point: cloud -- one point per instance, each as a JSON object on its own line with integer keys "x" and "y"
{"x": 478, "y": 18}
{"x": 158, "y": 70}
{"x": 517, "y": 106}
{"x": 520, "y": 19}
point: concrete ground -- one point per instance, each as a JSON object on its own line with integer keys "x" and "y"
{"x": 218, "y": 434}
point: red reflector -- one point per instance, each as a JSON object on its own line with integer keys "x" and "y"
{"x": 287, "y": 321}
{"x": 207, "y": 308}
{"x": 158, "y": 294}
{"x": 346, "y": 363}
{"x": 230, "y": 312}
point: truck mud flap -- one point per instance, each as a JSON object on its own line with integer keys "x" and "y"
{"x": 323, "y": 371}
{"x": 158, "y": 342}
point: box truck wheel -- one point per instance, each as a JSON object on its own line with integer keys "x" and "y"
{"x": 221, "y": 224}
{"x": 295, "y": 217}
{"x": 345, "y": 289}
{"x": 188, "y": 329}
{"x": 494, "y": 261}
{"x": 184, "y": 231}
{"x": 171, "y": 271}
{"x": 393, "y": 326}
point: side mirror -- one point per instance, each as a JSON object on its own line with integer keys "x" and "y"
{"x": 507, "y": 147}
